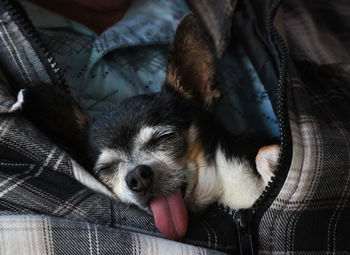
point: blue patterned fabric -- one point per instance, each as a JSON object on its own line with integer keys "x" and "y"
{"x": 129, "y": 58}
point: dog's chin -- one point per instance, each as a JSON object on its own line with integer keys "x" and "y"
{"x": 142, "y": 202}
{"x": 145, "y": 207}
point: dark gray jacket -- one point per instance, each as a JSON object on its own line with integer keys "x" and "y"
{"x": 48, "y": 204}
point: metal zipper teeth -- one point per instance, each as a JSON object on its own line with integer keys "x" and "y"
{"x": 282, "y": 116}
{"x": 283, "y": 119}
{"x": 13, "y": 164}
{"x": 22, "y": 20}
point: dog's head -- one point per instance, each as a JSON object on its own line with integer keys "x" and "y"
{"x": 148, "y": 148}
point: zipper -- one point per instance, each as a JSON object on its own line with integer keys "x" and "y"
{"x": 243, "y": 221}
{"x": 20, "y": 17}
{"x": 282, "y": 116}
{"x": 14, "y": 164}
{"x": 247, "y": 220}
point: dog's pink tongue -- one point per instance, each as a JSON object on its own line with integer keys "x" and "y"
{"x": 170, "y": 215}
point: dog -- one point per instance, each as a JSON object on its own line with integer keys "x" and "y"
{"x": 166, "y": 152}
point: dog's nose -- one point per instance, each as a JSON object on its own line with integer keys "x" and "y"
{"x": 140, "y": 178}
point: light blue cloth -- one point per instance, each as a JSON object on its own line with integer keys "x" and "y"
{"x": 129, "y": 58}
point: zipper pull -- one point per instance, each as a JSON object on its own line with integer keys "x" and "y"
{"x": 243, "y": 220}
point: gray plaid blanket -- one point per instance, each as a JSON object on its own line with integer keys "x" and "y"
{"x": 50, "y": 205}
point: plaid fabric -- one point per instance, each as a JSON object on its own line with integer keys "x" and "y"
{"x": 25, "y": 234}
{"x": 311, "y": 214}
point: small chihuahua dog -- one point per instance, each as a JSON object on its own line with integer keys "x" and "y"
{"x": 166, "y": 152}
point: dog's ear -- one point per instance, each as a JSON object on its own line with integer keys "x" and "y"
{"x": 267, "y": 160}
{"x": 191, "y": 63}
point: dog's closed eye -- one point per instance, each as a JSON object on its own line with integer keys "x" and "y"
{"x": 160, "y": 139}
{"x": 106, "y": 168}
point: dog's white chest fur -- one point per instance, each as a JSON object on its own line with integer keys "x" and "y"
{"x": 240, "y": 186}
{"x": 231, "y": 182}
